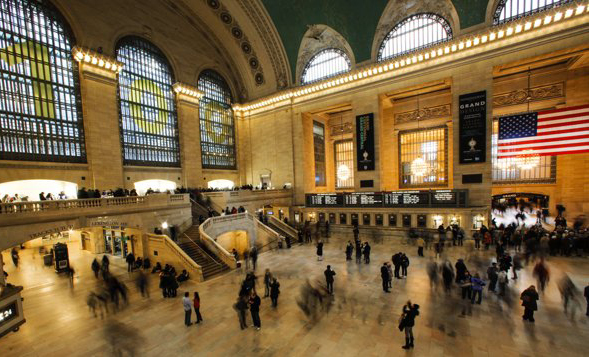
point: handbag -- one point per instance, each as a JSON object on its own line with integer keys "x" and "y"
{"x": 402, "y": 322}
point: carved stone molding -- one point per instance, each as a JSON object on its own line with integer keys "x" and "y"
{"x": 81, "y": 167}
{"x": 439, "y": 111}
{"x": 271, "y": 39}
{"x": 520, "y": 96}
{"x": 240, "y": 38}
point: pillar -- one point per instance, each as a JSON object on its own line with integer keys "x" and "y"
{"x": 189, "y": 128}
{"x": 477, "y": 78}
{"x": 101, "y": 126}
{"x": 364, "y": 104}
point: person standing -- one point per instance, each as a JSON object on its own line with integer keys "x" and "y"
{"x": 274, "y": 292}
{"x": 366, "y": 253}
{"x": 255, "y": 309}
{"x": 384, "y": 274}
{"x": 267, "y": 282}
{"x": 586, "y": 294}
{"x": 404, "y": 264}
{"x": 254, "y": 256}
{"x": 390, "y": 269}
{"x": 477, "y": 288}
{"x": 320, "y": 250}
{"x": 529, "y": 298}
{"x": 492, "y": 275}
{"x": 349, "y": 250}
{"x": 329, "y": 274}
{"x": 95, "y": 267}
{"x": 410, "y": 312}
{"x": 358, "y": 252}
{"x": 502, "y": 279}
{"x": 420, "y": 245}
{"x": 14, "y": 256}
{"x": 241, "y": 307}
{"x": 196, "y": 303}
{"x": 130, "y": 259}
{"x": 187, "y": 309}
{"x": 397, "y": 263}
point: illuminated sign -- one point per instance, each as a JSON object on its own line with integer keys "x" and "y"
{"x": 433, "y": 198}
{"x": 8, "y": 313}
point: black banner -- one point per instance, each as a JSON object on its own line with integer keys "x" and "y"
{"x": 365, "y": 142}
{"x": 472, "y": 114}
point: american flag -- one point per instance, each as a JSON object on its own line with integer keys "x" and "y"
{"x": 548, "y": 133}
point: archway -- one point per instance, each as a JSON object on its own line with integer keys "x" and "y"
{"x": 156, "y": 185}
{"x": 29, "y": 190}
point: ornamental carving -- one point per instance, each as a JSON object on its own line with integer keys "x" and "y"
{"x": 339, "y": 129}
{"x": 241, "y": 39}
{"x": 440, "y": 111}
{"x": 535, "y": 94}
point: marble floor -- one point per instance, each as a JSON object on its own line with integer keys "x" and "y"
{"x": 362, "y": 320}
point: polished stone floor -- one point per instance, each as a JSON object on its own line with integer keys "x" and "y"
{"x": 362, "y": 321}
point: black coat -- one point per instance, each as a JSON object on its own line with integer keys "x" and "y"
{"x": 409, "y": 315}
{"x": 274, "y": 290}
{"x": 529, "y": 298}
{"x": 384, "y": 273}
{"x": 319, "y": 248}
{"x": 329, "y": 275}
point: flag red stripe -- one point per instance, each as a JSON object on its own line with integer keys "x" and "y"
{"x": 547, "y": 154}
{"x": 532, "y": 148}
{"x": 564, "y": 124}
{"x": 576, "y": 115}
{"x": 586, "y": 136}
{"x": 563, "y": 109}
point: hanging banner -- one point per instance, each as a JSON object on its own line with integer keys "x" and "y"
{"x": 365, "y": 142}
{"x": 472, "y": 115}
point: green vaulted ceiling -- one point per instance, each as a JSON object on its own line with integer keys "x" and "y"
{"x": 356, "y": 20}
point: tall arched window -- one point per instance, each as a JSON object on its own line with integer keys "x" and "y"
{"x": 414, "y": 33}
{"x": 147, "y": 110}
{"x": 40, "y": 105}
{"x": 508, "y": 10}
{"x": 217, "y": 127}
{"x": 326, "y": 63}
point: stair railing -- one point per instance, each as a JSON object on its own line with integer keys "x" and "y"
{"x": 202, "y": 250}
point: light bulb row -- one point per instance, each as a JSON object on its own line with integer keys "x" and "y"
{"x": 181, "y": 88}
{"x": 96, "y": 59}
{"x": 467, "y": 42}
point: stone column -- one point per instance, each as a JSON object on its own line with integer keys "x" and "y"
{"x": 189, "y": 128}
{"x": 364, "y": 104}
{"x": 478, "y": 78}
{"x": 101, "y": 126}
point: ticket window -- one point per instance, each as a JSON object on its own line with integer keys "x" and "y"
{"x": 354, "y": 219}
{"x": 438, "y": 220}
{"x": 406, "y": 220}
{"x": 422, "y": 220}
{"x": 455, "y": 221}
{"x": 321, "y": 217}
{"x": 477, "y": 222}
{"x": 378, "y": 219}
{"x": 392, "y": 220}
{"x": 297, "y": 217}
{"x": 366, "y": 219}
{"x": 343, "y": 218}
{"x": 332, "y": 218}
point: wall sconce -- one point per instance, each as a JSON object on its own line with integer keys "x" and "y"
{"x": 165, "y": 225}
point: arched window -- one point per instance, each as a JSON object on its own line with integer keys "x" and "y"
{"x": 327, "y": 63}
{"x": 147, "y": 110}
{"x": 217, "y": 127}
{"x": 40, "y": 105}
{"x": 414, "y": 33}
{"x": 508, "y": 10}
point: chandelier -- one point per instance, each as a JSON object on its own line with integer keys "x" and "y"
{"x": 343, "y": 172}
{"x": 418, "y": 167}
{"x": 528, "y": 160}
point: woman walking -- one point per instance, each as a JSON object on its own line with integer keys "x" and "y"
{"x": 410, "y": 311}
{"x": 196, "y": 302}
{"x": 529, "y": 298}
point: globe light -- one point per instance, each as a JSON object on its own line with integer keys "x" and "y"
{"x": 418, "y": 167}
{"x": 343, "y": 172}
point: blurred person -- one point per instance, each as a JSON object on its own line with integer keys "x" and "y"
{"x": 390, "y": 269}
{"x": 254, "y": 256}
{"x": 420, "y": 245}
{"x": 329, "y": 274}
{"x": 349, "y": 250}
{"x": 569, "y": 294}
{"x": 477, "y": 288}
{"x": 502, "y": 279}
{"x": 432, "y": 273}
{"x": 366, "y": 252}
{"x": 529, "y": 298}
{"x": 586, "y": 294}
{"x": 14, "y": 256}
{"x": 542, "y": 274}
{"x": 95, "y": 267}
{"x": 241, "y": 307}
{"x": 319, "y": 250}
{"x": 142, "y": 283}
{"x": 130, "y": 259}
{"x": 404, "y": 264}
{"x": 493, "y": 276}
{"x": 267, "y": 282}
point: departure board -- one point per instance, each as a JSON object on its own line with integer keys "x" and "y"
{"x": 430, "y": 198}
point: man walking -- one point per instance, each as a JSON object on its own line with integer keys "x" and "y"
{"x": 384, "y": 274}
{"x": 492, "y": 275}
{"x": 187, "y": 309}
{"x": 130, "y": 259}
{"x": 329, "y": 279}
